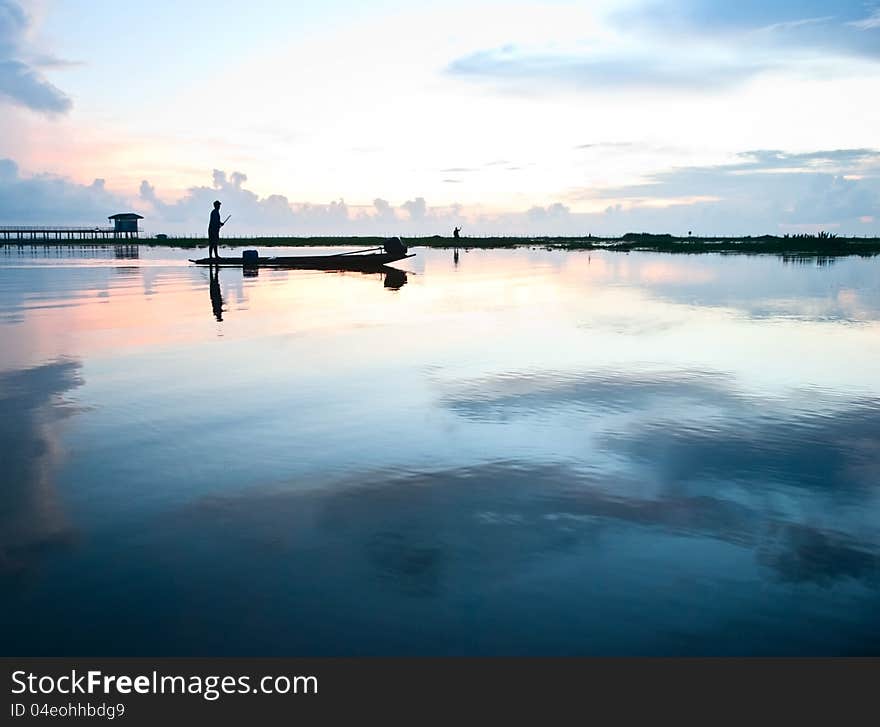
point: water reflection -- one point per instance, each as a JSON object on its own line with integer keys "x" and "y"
{"x": 817, "y": 260}
{"x": 32, "y": 518}
{"x": 803, "y": 554}
{"x": 560, "y": 454}
{"x": 216, "y": 295}
{"x": 71, "y": 251}
{"x": 126, "y": 252}
{"x": 693, "y": 425}
{"x": 393, "y": 278}
{"x": 504, "y": 557}
{"x": 711, "y": 460}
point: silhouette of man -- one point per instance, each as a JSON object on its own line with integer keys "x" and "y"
{"x": 216, "y": 295}
{"x": 455, "y": 232}
{"x": 214, "y": 231}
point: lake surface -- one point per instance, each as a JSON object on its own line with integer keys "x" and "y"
{"x": 529, "y": 452}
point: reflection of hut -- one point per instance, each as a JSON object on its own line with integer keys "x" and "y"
{"x": 125, "y": 224}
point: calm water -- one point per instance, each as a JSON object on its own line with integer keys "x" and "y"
{"x": 531, "y": 452}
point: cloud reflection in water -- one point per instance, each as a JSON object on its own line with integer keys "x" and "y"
{"x": 32, "y": 518}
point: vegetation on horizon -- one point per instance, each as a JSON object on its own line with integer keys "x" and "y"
{"x": 823, "y": 243}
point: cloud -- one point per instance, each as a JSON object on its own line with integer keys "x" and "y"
{"x": 871, "y": 22}
{"x": 591, "y": 69}
{"x": 690, "y": 45}
{"x": 252, "y": 214}
{"x": 708, "y": 15}
{"x": 384, "y": 210}
{"x": 839, "y": 159}
{"x": 810, "y": 26}
{"x": 555, "y": 211}
{"x": 417, "y": 208}
{"x": 51, "y": 199}
{"x": 20, "y": 81}
{"x": 47, "y": 60}
{"x": 762, "y": 191}
{"x": 276, "y": 214}
{"x": 612, "y": 145}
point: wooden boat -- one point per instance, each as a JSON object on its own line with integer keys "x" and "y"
{"x": 392, "y": 251}
{"x": 342, "y": 261}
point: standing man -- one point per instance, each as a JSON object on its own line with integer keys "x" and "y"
{"x": 214, "y": 231}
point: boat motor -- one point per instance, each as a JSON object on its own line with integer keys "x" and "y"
{"x": 395, "y": 246}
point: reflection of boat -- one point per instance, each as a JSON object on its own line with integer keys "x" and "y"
{"x": 356, "y": 260}
{"x": 394, "y": 279}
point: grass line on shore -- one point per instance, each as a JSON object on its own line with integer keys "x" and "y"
{"x": 801, "y": 245}
{"x": 830, "y": 246}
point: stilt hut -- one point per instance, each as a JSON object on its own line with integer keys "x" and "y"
{"x": 125, "y": 224}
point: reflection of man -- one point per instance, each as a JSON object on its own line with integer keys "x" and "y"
{"x": 214, "y": 230}
{"x": 216, "y": 295}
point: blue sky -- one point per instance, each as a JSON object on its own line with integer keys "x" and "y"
{"x": 409, "y": 118}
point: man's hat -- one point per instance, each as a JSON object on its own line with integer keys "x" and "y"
{"x": 216, "y": 202}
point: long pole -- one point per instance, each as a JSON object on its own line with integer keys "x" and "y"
{"x": 352, "y": 252}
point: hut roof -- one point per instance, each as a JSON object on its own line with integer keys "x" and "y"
{"x": 125, "y": 216}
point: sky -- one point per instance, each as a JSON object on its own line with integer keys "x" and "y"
{"x": 382, "y": 118}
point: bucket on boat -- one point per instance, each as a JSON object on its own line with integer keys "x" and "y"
{"x": 250, "y": 257}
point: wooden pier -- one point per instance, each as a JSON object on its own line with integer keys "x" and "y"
{"x": 125, "y": 227}
{"x": 18, "y": 234}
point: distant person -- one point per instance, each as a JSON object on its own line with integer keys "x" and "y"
{"x": 214, "y": 231}
{"x": 455, "y": 232}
